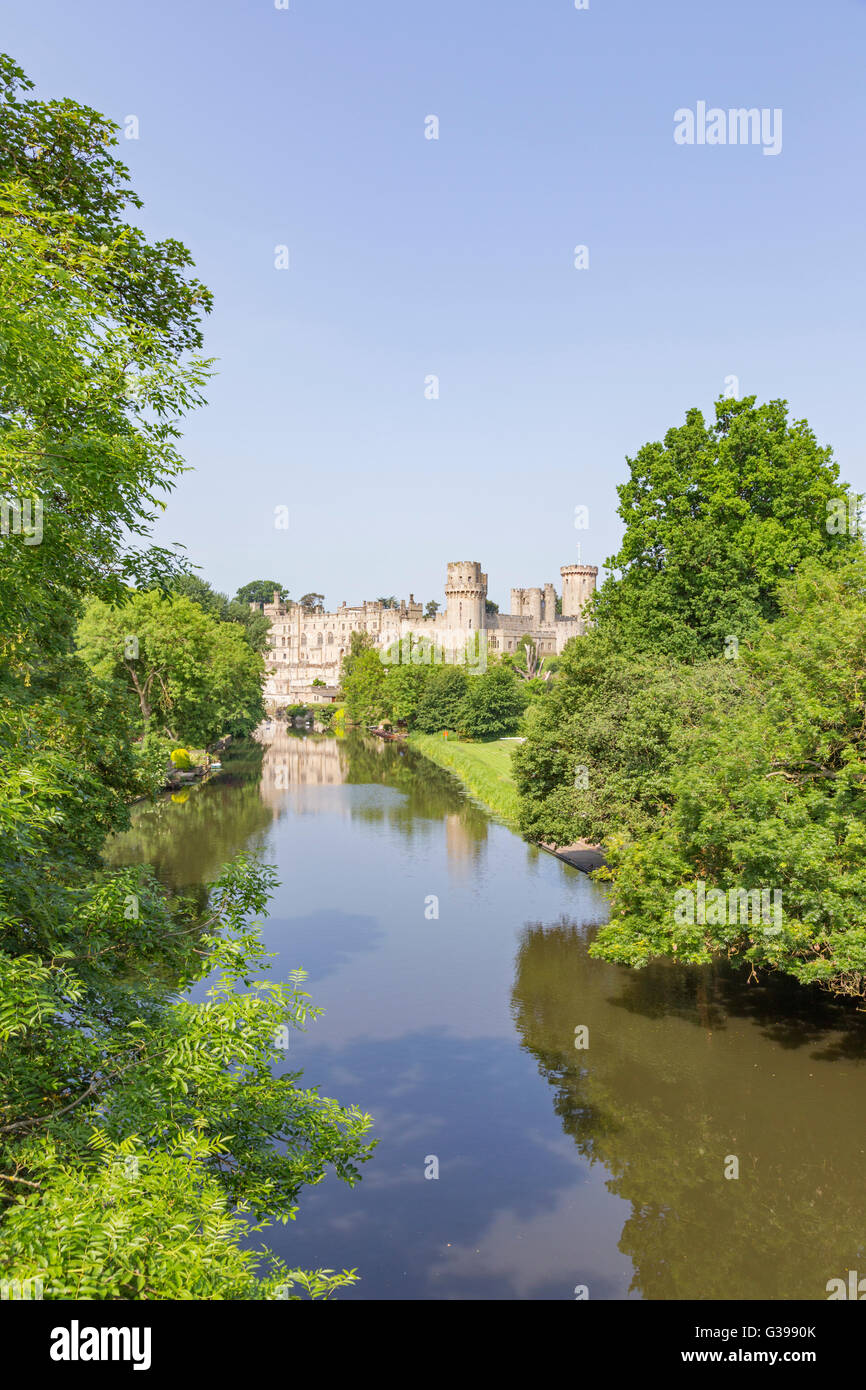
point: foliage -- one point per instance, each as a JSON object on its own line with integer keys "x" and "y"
{"x": 441, "y": 700}
{"x": 364, "y": 687}
{"x": 260, "y": 591}
{"x": 97, "y": 1059}
{"x": 768, "y": 793}
{"x": 601, "y": 749}
{"x": 194, "y": 677}
{"x": 91, "y": 384}
{"x": 152, "y": 761}
{"x": 99, "y": 1064}
{"x": 716, "y": 518}
{"x": 121, "y": 1245}
{"x": 492, "y": 704}
{"x": 254, "y": 623}
{"x": 404, "y": 689}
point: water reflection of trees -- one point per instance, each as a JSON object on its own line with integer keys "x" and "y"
{"x": 431, "y": 793}
{"x": 685, "y": 1067}
{"x": 188, "y": 839}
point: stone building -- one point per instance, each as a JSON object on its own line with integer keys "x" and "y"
{"x": 308, "y": 645}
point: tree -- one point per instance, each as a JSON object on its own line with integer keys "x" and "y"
{"x": 441, "y": 701}
{"x": 492, "y": 704}
{"x": 527, "y": 662}
{"x": 768, "y": 796}
{"x": 490, "y": 607}
{"x": 260, "y": 591}
{"x": 193, "y": 676}
{"x": 359, "y": 642}
{"x": 364, "y": 688}
{"x": 404, "y": 687}
{"x": 255, "y": 624}
{"x": 432, "y": 609}
{"x": 99, "y": 1063}
{"x": 716, "y": 518}
{"x": 79, "y": 449}
{"x": 62, "y": 153}
{"x": 601, "y": 750}
{"x": 153, "y": 1124}
{"x": 391, "y": 602}
{"x": 310, "y": 601}
{"x": 199, "y": 591}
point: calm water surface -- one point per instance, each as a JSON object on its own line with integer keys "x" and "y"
{"x": 557, "y": 1167}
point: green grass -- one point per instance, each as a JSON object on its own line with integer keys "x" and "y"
{"x": 483, "y": 768}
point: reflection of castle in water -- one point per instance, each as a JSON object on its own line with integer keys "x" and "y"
{"x": 462, "y": 844}
{"x": 292, "y": 760}
{"x": 294, "y": 763}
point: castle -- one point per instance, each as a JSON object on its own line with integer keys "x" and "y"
{"x": 308, "y": 645}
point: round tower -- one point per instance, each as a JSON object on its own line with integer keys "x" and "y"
{"x": 578, "y": 585}
{"x": 466, "y": 595}
{"x": 532, "y": 606}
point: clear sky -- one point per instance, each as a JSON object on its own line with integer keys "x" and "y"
{"x": 409, "y": 257}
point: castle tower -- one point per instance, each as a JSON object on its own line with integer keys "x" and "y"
{"x": 466, "y": 595}
{"x": 517, "y": 603}
{"x": 549, "y": 603}
{"x": 578, "y": 585}
{"x": 532, "y": 606}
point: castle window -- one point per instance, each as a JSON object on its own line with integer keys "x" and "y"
{"x": 303, "y": 639}
{"x": 330, "y": 638}
{"x": 319, "y": 639}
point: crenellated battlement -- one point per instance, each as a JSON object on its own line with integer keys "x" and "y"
{"x": 310, "y": 645}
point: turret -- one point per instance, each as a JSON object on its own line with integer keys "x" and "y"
{"x": 466, "y": 595}
{"x": 578, "y": 585}
{"x": 532, "y": 606}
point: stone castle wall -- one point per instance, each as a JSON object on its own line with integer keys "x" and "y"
{"x": 304, "y": 646}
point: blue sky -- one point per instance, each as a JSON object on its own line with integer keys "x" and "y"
{"x": 411, "y": 257}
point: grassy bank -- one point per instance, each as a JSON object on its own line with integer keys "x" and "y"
{"x": 483, "y": 768}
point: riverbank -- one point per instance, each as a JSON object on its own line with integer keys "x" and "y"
{"x": 485, "y": 771}
{"x": 483, "y": 768}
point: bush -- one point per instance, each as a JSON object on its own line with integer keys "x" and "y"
{"x": 442, "y": 700}
{"x": 492, "y": 705}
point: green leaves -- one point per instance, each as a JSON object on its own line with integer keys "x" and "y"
{"x": 187, "y": 674}
{"x": 179, "y": 1099}
{"x": 716, "y": 518}
{"x": 135, "y": 1130}
{"x": 769, "y": 791}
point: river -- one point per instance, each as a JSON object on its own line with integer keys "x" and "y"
{"x": 560, "y": 1168}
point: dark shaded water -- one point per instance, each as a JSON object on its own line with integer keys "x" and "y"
{"x": 558, "y": 1167}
